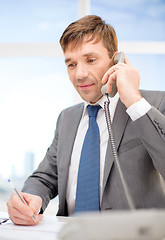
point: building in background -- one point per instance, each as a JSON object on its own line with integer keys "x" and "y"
{"x": 29, "y": 163}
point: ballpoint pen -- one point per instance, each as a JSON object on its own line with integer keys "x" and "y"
{"x": 3, "y": 220}
{"x": 23, "y": 200}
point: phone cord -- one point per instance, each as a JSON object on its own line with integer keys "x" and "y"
{"x": 114, "y": 150}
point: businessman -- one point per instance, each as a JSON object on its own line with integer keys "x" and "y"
{"x": 79, "y": 165}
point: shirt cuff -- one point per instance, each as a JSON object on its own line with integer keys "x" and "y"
{"x": 138, "y": 109}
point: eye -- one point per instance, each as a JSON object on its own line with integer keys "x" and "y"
{"x": 71, "y": 65}
{"x": 91, "y": 60}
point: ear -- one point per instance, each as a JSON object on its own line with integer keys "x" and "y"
{"x": 112, "y": 59}
{"x": 114, "y": 55}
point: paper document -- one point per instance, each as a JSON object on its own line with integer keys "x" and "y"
{"x": 48, "y": 228}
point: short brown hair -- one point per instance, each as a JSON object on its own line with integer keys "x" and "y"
{"x": 95, "y": 28}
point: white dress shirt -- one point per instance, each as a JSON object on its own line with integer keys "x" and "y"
{"x": 135, "y": 111}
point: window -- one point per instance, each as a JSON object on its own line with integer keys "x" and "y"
{"x": 140, "y": 29}
{"x": 34, "y": 83}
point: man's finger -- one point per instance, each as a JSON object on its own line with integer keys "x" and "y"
{"x": 21, "y": 206}
{"x": 127, "y": 61}
{"x": 107, "y": 75}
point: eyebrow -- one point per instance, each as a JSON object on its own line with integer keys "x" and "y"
{"x": 67, "y": 60}
{"x": 84, "y": 55}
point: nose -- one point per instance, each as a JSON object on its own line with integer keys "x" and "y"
{"x": 81, "y": 71}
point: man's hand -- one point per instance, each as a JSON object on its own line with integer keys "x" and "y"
{"x": 22, "y": 214}
{"x": 127, "y": 80}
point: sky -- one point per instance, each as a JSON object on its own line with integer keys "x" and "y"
{"x": 34, "y": 90}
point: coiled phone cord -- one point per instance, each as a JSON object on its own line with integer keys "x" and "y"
{"x": 114, "y": 150}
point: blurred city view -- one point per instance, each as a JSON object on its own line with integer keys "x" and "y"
{"x": 6, "y": 189}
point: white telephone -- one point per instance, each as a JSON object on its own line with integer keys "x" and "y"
{"x": 147, "y": 224}
{"x": 119, "y": 57}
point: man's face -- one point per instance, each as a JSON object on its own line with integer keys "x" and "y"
{"x": 86, "y": 65}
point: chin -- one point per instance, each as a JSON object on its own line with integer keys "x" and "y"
{"x": 91, "y": 99}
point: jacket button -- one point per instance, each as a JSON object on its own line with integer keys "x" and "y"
{"x": 155, "y": 121}
{"x": 162, "y": 132}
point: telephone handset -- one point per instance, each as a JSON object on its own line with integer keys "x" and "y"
{"x": 119, "y": 57}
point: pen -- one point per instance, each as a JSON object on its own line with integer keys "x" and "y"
{"x": 23, "y": 200}
{"x": 3, "y": 220}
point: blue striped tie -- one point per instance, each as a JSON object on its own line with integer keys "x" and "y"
{"x": 87, "y": 195}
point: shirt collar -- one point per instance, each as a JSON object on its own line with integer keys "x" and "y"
{"x": 113, "y": 103}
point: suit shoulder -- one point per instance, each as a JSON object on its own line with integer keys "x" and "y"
{"x": 73, "y": 110}
{"x": 70, "y": 116}
{"x": 153, "y": 97}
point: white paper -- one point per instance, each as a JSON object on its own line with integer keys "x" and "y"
{"x": 46, "y": 229}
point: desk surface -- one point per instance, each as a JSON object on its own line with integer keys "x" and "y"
{"x": 48, "y": 228}
{"x": 122, "y": 225}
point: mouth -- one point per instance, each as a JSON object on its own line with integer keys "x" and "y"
{"x": 86, "y": 86}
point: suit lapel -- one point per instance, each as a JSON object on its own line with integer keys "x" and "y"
{"x": 69, "y": 134}
{"x": 119, "y": 124}
{"x": 74, "y": 120}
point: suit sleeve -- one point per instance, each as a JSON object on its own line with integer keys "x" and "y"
{"x": 151, "y": 130}
{"x": 44, "y": 181}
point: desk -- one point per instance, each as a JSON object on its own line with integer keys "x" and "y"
{"x": 119, "y": 225}
{"x": 48, "y": 228}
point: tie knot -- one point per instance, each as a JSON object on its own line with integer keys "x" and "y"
{"x": 93, "y": 110}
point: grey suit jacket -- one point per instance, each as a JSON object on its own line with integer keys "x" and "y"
{"x": 141, "y": 150}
